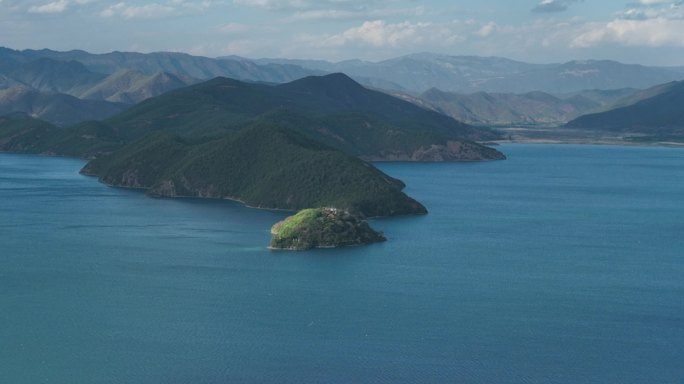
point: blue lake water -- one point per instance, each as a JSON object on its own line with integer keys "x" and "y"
{"x": 563, "y": 264}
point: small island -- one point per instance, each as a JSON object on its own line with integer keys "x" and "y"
{"x": 322, "y": 228}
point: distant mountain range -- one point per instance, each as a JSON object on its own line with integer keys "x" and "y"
{"x": 469, "y": 74}
{"x": 505, "y": 109}
{"x": 657, "y": 112}
{"x": 415, "y": 73}
{"x": 478, "y": 90}
{"x": 179, "y": 64}
{"x": 126, "y": 78}
{"x": 412, "y": 73}
{"x": 67, "y": 92}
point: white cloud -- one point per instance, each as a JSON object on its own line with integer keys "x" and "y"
{"x": 149, "y": 11}
{"x": 657, "y": 32}
{"x": 325, "y": 14}
{"x": 377, "y": 33}
{"x": 276, "y": 4}
{"x": 639, "y": 14}
{"x": 353, "y": 14}
{"x": 193, "y": 5}
{"x": 58, "y": 6}
{"x": 487, "y": 29}
{"x": 233, "y": 28}
{"x": 546, "y": 6}
{"x": 372, "y": 29}
{"x": 653, "y": 9}
{"x": 654, "y": 2}
{"x": 463, "y": 37}
{"x": 155, "y": 10}
{"x": 293, "y": 5}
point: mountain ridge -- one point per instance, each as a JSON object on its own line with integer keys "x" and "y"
{"x": 462, "y": 74}
{"x": 468, "y": 74}
{"x": 333, "y": 109}
{"x": 131, "y": 77}
{"x": 657, "y": 111}
{"x": 57, "y": 108}
{"x": 176, "y": 63}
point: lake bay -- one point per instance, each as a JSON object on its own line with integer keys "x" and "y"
{"x": 562, "y": 264}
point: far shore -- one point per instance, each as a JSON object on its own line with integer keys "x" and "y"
{"x": 617, "y": 142}
{"x": 556, "y": 135}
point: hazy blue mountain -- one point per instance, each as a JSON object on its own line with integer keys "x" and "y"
{"x": 655, "y": 111}
{"x": 57, "y": 108}
{"x": 607, "y": 98}
{"x": 179, "y": 64}
{"x": 132, "y": 87}
{"x": 591, "y": 74}
{"x": 511, "y": 108}
{"x": 644, "y": 94}
{"x": 419, "y": 72}
{"x": 46, "y": 75}
{"x": 469, "y": 74}
{"x": 415, "y": 73}
{"x": 47, "y": 88}
{"x": 7, "y": 82}
{"x": 73, "y": 78}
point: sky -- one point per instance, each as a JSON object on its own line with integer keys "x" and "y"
{"x": 647, "y": 32}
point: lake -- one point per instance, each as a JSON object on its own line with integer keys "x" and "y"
{"x": 562, "y": 264}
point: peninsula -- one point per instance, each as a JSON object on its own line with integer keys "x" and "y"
{"x": 264, "y": 166}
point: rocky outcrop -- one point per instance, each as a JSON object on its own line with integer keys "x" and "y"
{"x": 322, "y": 228}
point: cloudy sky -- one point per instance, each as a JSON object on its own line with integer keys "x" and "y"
{"x": 543, "y": 31}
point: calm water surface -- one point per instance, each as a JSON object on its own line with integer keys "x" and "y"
{"x": 563, "y": 264}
